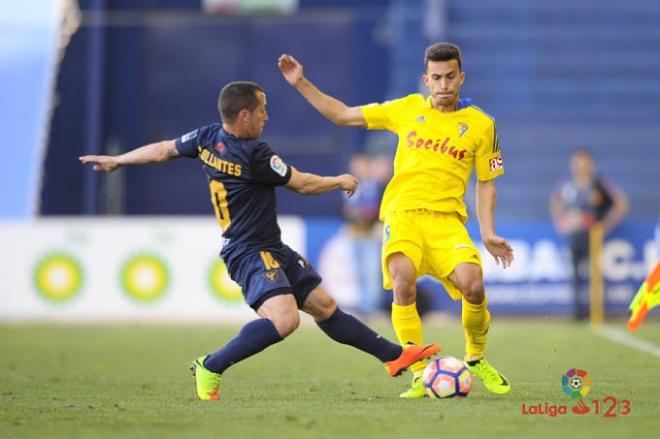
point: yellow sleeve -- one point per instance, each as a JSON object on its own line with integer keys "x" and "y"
{"x": 383, "y": 116}
{"x": 488, "y": 160}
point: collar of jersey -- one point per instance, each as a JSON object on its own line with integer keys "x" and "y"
{"x": 232, "y": 136}
{"x": 462, "y": 103}
{"x": 228, "y": 134}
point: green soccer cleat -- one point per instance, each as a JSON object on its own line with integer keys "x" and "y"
{"x": 416, "y": 389}
{"x": 208, "y": 383}
{"x": 493, "y": 380}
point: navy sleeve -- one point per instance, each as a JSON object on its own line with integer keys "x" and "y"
{"x": 267, "y": 167}
{"x": 187, "y": 144}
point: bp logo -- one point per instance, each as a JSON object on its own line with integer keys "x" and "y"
{"x": 221, "y": 284}
{"x": 575, "y": 383}
{"x": 58, "y": 277}
{"x": 145, "y": 277}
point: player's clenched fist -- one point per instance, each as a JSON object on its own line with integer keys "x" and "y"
{"x": 291, "y": 69}
{"x": 348, "y": 184}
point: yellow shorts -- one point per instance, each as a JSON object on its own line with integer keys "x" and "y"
{"x": 436, "y": 242}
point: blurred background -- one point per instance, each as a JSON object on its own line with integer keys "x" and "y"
{"x": 106, "y": 76}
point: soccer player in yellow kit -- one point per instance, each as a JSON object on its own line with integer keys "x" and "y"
{"x": 423, "y": 207}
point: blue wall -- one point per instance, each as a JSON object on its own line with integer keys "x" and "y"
{"x": 557, "y": 75}
{"x": 564, "y": 74}
{"x": 161, "y": 78}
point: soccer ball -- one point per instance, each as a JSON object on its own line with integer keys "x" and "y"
{"x": 447, "y": 377}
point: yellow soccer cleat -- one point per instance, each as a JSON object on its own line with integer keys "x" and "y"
{"x": 494, "y": 381}
{"x": 208, "y": 383}
{"x": 416, "y": 389}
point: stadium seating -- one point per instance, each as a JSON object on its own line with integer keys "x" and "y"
{"x": 564, "y": 74}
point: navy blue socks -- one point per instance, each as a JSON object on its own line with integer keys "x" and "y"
{"x": 253, "y": 338}
{"x": 346, "y": 329}
{"x": 341, "y": 327}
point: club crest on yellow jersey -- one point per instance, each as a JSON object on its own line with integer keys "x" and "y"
{"x": 462, "y": 128}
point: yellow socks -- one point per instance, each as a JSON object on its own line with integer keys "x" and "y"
{"x": 476, "y": 320}
{"x": 408, "y": 328}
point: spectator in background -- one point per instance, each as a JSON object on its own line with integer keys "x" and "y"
{"x": 361, "y": 214}
{"x": 577, "y": 205}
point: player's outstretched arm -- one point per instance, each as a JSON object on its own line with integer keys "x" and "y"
{"x": 333, "y": 109}
{"x": 151, "y": 153}
{"x": 496, "y": 245}
{"x": 312, "y": 184}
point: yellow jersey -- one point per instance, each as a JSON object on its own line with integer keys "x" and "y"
{"x": 435, "y": 154}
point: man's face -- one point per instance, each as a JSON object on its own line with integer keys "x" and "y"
{"x": 582, "y": 167}
{"x": 256, "y": 119}
{"x": 444, "y": 80}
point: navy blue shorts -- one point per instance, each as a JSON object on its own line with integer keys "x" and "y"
{"x": 271, "y": 272}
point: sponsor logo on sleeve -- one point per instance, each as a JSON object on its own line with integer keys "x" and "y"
{"x": 277, "y": 165}
{"x": 495, "y": 164}
{"x": 186, "y": 137}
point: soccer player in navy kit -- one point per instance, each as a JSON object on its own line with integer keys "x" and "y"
{"x": 242, "y": 172}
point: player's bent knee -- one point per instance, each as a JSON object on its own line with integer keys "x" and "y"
{"x": 405, "y": 289}
{"x": 403, "y": 274}
{"x": 325, "y": 310}
{"x": 404, "y": 294}
{"x": 473, "y": 292}
{"x": 404, "y": 284}
{"x": 320, "y": 305}
{"x": 286, "y": 322}
{"x": 403, "y": 278}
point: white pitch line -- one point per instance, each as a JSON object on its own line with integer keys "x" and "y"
{"x": 618, "y": 336}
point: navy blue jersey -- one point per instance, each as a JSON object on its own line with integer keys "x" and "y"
{"x": 242, "y": 176}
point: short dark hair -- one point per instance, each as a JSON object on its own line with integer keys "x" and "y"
{"x": 237, "y": 96}
{"x": 443, "y": 52}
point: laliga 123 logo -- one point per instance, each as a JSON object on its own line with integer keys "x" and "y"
{"x": 576, "y": 383}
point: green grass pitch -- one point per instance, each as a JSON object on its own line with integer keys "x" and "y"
{"x": 132, "y": 381}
